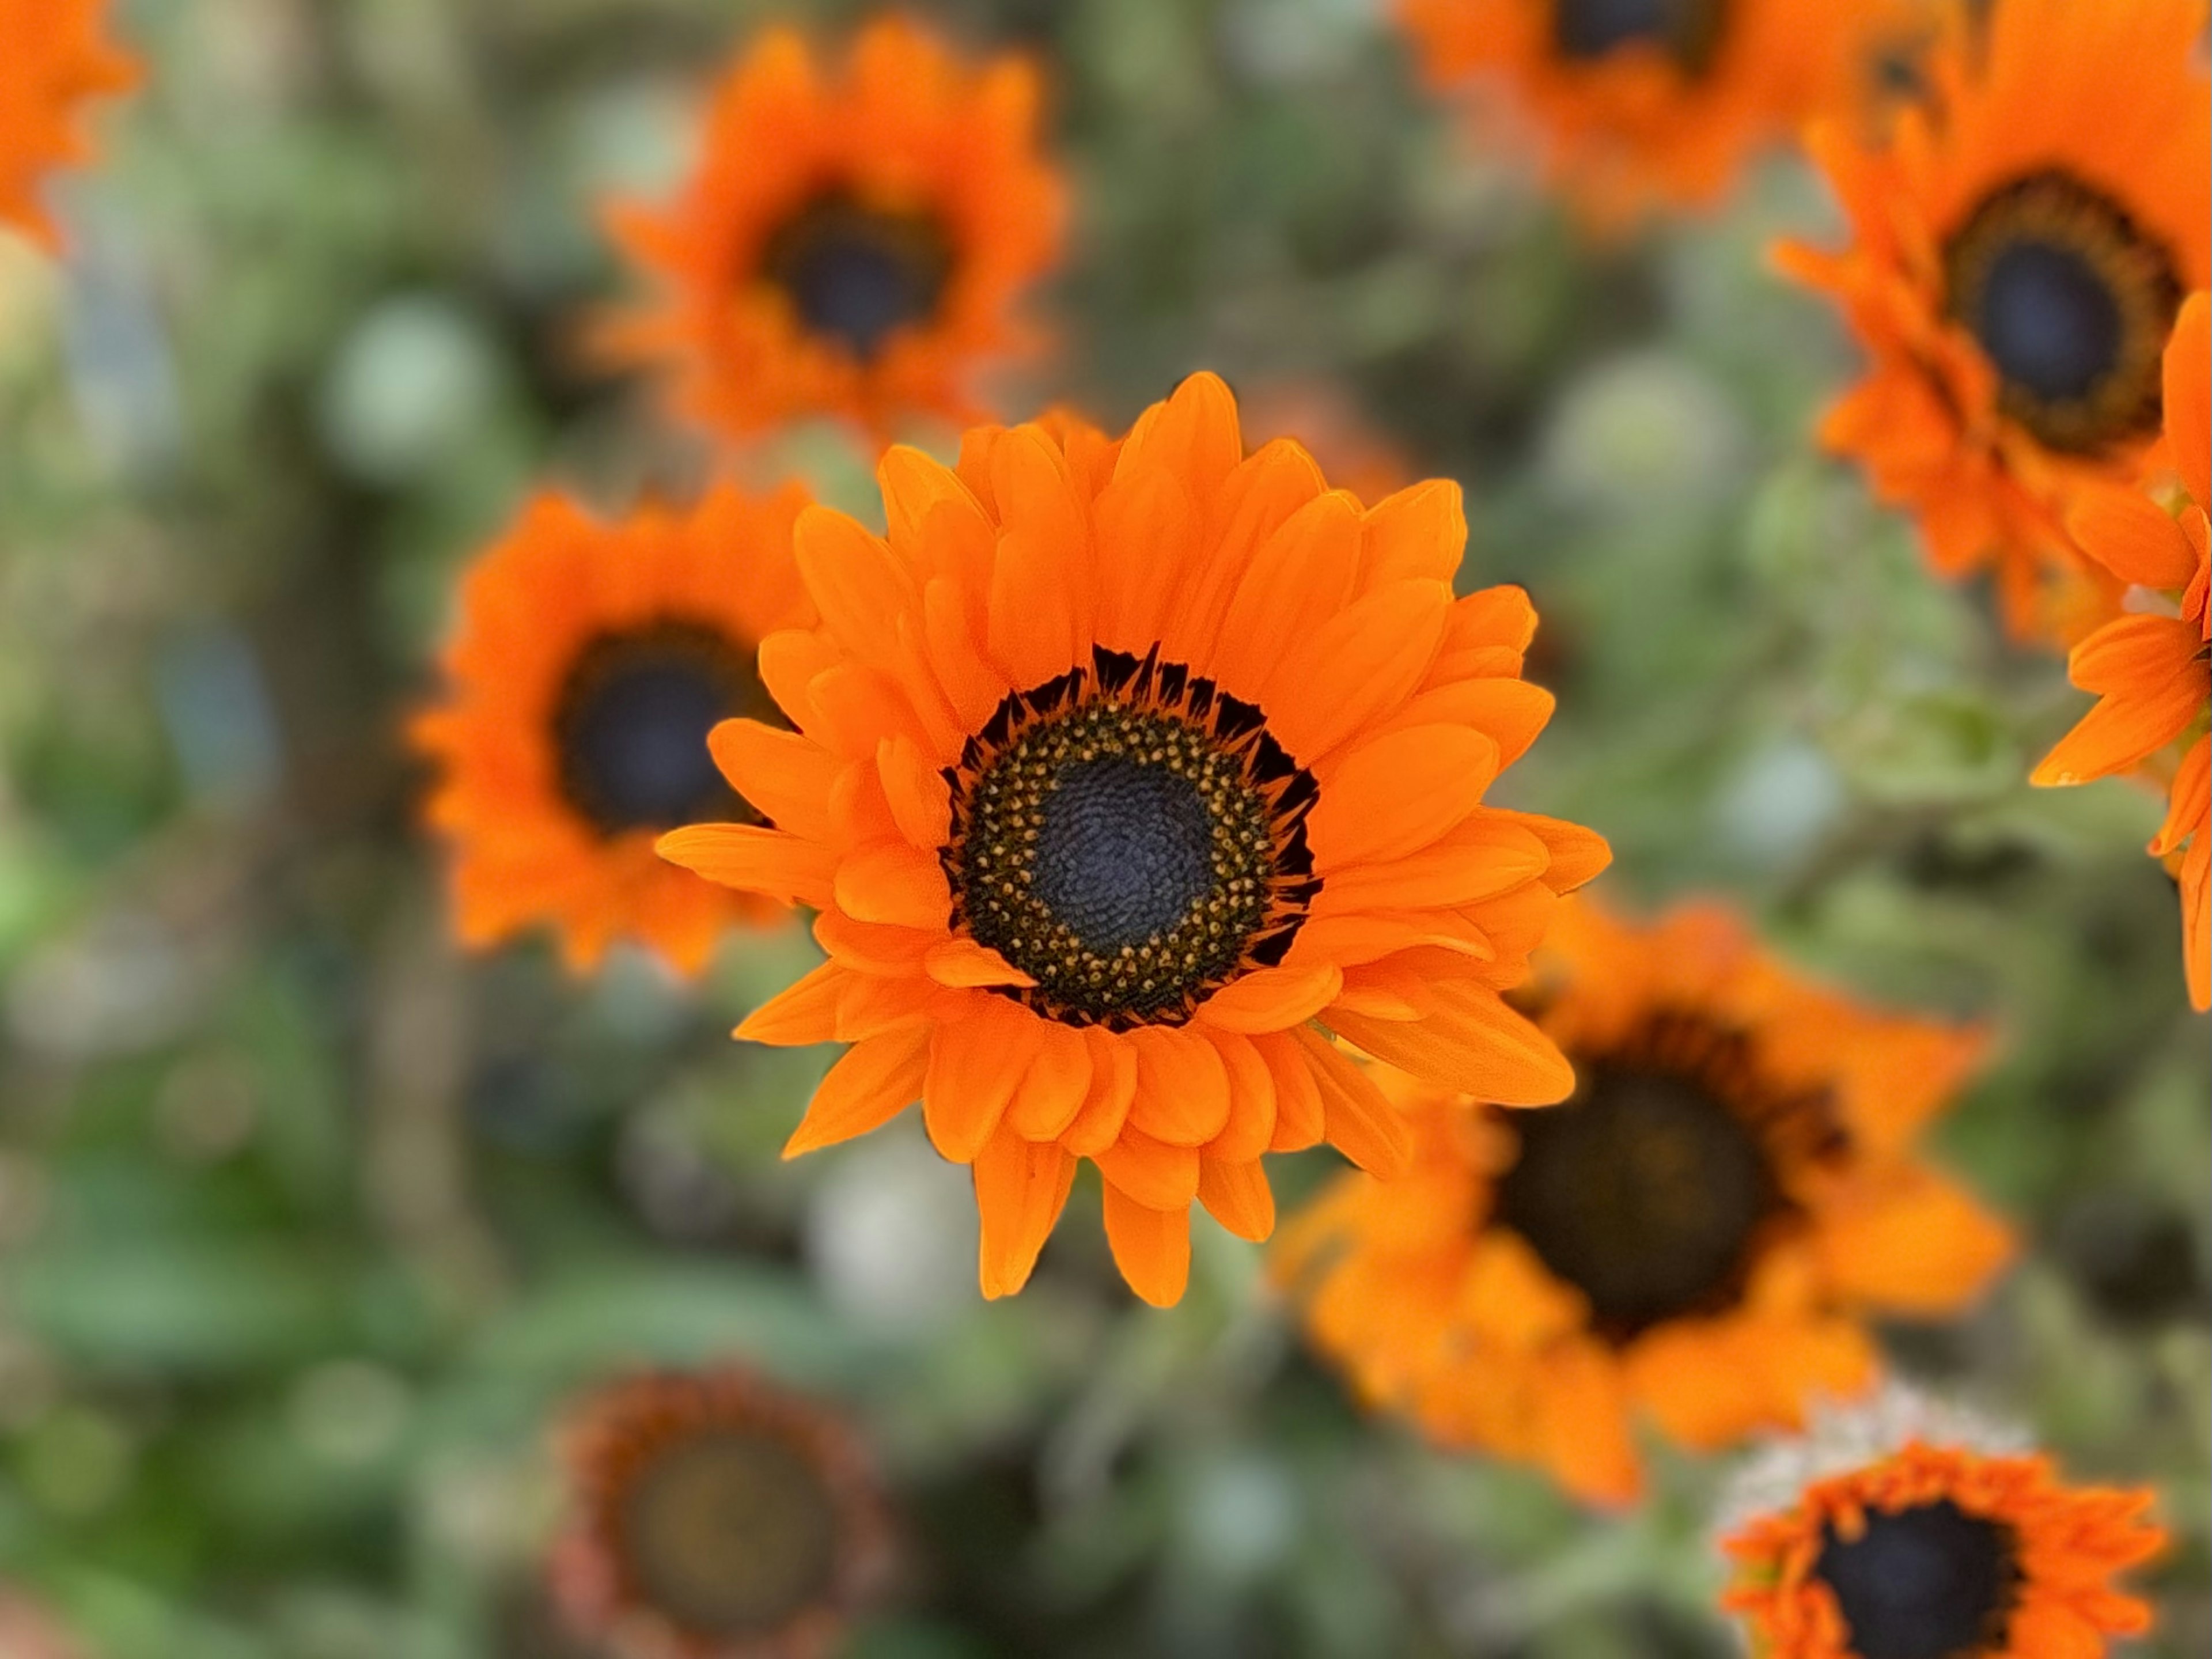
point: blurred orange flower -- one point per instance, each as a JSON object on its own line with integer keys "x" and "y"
{"x": 854, "y": 245}
{"x": 52, "y": 58}
{"x": 1693, "y": 1239}
{"x": 714, "y": 1517}
{"x": 591, "y": 663}
{"x": 2149, "y": 670}
{"x": 1120, "y": 764}
{"x": 1635, "y": 104}
{"x": 2018, "y": 253}
{"x": 1942, "y": 1550}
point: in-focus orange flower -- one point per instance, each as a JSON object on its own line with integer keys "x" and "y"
{"x": 1937, "y": 1551}
{"x": 1126, "y": 772}
{"x": 1635, "y": 104}
{"x": 591, "y": 663}
{"x": 2017, "y": 256}
{"x": 1693, "y": 1240}
{"x": 852, "y": 244}
{"x": 2152, "y": 670}
{"x": 53, "y": 58}
{"x": 712, "y": 1516}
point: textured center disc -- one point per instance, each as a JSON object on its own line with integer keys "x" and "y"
{"x": 1124, "y": 849}
{"x": 1643, "y": 1192}
{"x": 1590, "y": 29}
{"x": 2049, "y": 321}
{"x": 2072, "y": 302}
{"x": 1121, "y": 856}
{"x": 856, "y": 274}
{"x": 631, "y": 721}
{"x": 731, "y": 1533}
{"x": 1927, "y": 1583}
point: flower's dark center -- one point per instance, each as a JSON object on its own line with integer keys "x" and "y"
{"x": 2072, "y": 299}
{"x": 1648, "y": 1190}
{"x": 1931, "y": 1582}
{"x": 730, "y": 1532}
{"x": 1129, "y": 838}
{"x": 630, "y": 725}
{"x": 1687, "y": 31}
{"x": 857, "y": 273}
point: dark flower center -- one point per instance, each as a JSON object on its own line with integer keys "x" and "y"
{"x": 630, "y": 725}
{"x": 1688, "y": 31}
{"x": 1130, "y": 839}
{"x": 858, "y": 274}
{"x": 1644, "y": 1192}
{"x": 2072, "y": 301}
{"x": 1931, "y": 1582}
{"x": 730, "y": 1532}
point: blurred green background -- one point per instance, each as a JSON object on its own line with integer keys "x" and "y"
{"x": 305, "y": 1222}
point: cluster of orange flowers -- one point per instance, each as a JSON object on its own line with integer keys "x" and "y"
{"x": 1138, "y": 784}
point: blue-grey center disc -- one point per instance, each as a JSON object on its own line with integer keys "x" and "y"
{"x": 1123, "y": 852}
{"x": 630, "y": 725}
{"x": 1928, "y": 1583}
{"x": 1590, "y": 29}
{"x": 857, "y": 275}
{"x": 2049, "y": 321}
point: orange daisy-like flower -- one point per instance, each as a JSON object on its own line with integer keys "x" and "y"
{"x": 715, "y": 1517}
{"x": 1692, "y": 1239}
{"x": 1942, "y": 1551}
{"x": 52, "y": 58}
{"x": 591, "y": 661}
{"x": 2150, "y": 670}
{"x": 2019, "y": 255}
{"x": 1636, "y": 103}
{"x": 1125, "y": 772}
{"x": 855, "y": 246}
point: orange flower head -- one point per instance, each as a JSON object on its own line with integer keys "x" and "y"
{"x": 2149, "y": 669}
{"x": 1635, "y": 104}
{"x": 715, "y": 1517}
{"x": 1693, "y": 1241}
{"x": 1126, "y": 773}
{"x": 854, "y": 242}
{"x": 1937, "y": 1547}
{"x": 54, "y": 59}
{"x": 591, "y": 661}
{"x": 2018, "y": 257}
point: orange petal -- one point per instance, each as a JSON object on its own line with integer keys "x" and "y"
{"x": 1920, "y": 1246}
{"x": 1301, "y": 575}
{"x": 2132, "y": 536}
{"x": 1021, "y": 1186}
{"x": 2188, "y": 396}
{"x": 873, "y": 1082}
{"x": 1301, "y": 1120}
{"x": 1237, "y": 1196}
{"x": 1471, "y": 1043}
{"x": 974, "y": 1067}
{"x": 753, "y": 860}
{"x": 1419, "y": 533}
{"x": 919, "y": 800}
{"x": 1052, "y": 1092}
{"x": 801, "y": 1013}
{"x": 1251, "y": 1123}
{"x": 1193, "y": 436}
{"x": 1151, "y": 1172}
{"x": 1271, "y": 998}
{"x": 787, "y": 776}
{"x": 1582, "y": 1427}
{"x": 962, "y": 961}
{"x": 1151, "y": 1246}
{"x": 1398, "y": 793}
{"x": 1358, "y": 1120}
{"x": 855, "y": 581}
{"x": 894, "y": 884}
{"x": 1183, "y": 1087}
{"x": 1363, "y": 662}
{"x": 1113, "y": 1087}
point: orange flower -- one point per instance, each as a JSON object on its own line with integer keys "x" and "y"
{"x": 1637, "y": 103}
{"x": 851, "y": 246}
{"x": 2019, "y": 255}
{"x": 714, "y": 1518}
{"x": 591, "y": 663}
{"x": 1692, "y": 1239}
{"x": 1119, "y": 765}
{"x": 2149, "y": 670}
{"x": 1942, "y": 1552}
{"x": 54, "y": 59}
